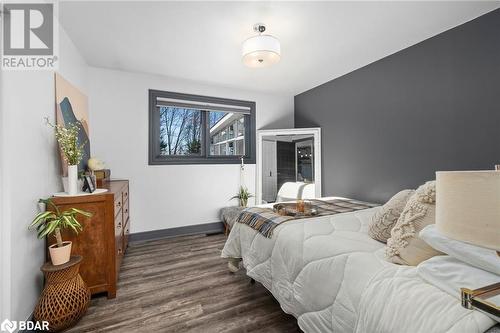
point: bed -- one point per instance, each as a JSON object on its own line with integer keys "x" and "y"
{"x": 329, "y": 274}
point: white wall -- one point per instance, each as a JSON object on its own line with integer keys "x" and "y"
{"x": 4, "y": 213}
{"x": 30, "y": 170}
{"x": 166, "y": 196}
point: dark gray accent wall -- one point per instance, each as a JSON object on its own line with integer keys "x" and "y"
{"x": 392, "y": 124}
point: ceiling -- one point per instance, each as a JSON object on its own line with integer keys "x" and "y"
{"x": 201, "y": 41}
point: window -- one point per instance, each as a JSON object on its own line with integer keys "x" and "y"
{"x": 225, "y": 138}
{"x": 180, "y": 131}
{"x": 191, "y": 129}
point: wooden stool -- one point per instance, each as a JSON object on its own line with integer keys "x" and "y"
{"x": 65, "y": 297}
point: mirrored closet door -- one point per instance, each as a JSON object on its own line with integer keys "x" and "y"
{"x": 288, "y": 165}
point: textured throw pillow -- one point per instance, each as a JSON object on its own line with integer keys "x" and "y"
{"x": 405, "y": 247}
{"x": 386, "y": 217}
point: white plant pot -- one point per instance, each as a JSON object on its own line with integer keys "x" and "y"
{"x": 60, "y": 255}
{"x": 65, "y": 184}
{"x": 72, "y": 179}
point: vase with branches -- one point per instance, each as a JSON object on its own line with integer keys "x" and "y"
{"x": 243, "y": 195}
{"x": 51, "y": 222}
{"x": 72, "y": 150}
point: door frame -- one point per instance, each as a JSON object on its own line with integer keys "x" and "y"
{"x": 315, "y": 132}
{"x": 275, "y": 165}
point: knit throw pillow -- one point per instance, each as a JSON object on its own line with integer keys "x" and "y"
{"x": 405, "y": 247}
{"x": 386, "y": 217}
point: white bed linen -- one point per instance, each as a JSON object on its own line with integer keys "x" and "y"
{"x": 477, "y": 256}
{"x": 332, "y": 277}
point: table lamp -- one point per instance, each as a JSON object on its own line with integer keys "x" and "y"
{"x": 468, "y": 210}
{"x": 468, "y": 206}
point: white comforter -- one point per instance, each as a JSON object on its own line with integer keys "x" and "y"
{"x": 332, "y": 277}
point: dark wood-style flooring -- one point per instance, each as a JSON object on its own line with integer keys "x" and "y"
{"x": 182, "y": 285}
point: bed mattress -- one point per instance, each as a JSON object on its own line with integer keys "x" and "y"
{"x": 332, "y": 277}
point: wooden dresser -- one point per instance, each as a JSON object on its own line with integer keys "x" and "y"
{"x": 104, "y": 238}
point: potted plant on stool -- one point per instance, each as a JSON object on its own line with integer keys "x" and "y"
{"x": 51, "y": 222}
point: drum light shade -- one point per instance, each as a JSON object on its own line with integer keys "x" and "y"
{"x": 261, "y": 51}
{"x": 468, "y": 206}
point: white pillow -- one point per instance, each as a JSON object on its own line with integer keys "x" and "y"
{"x": 473, "y": 255}
{"x": 450, "y": 274}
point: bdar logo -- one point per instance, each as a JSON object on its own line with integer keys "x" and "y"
{"x": 8, "y": 326}
{"x": 28, "y": 29}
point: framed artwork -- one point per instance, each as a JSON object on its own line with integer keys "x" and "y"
{"x": 88, "y": 184}
{"x": 71, "y": 107}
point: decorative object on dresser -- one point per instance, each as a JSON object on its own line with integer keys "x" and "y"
{"x": 71, "y": 150}
{"x": 104, "y": 238}
{"x": 95, "y": 164}
{"x": 88, "y": 184}
{"x": 49, "y": 223}
{"x": 65, "y": 297}
{"x": 102, "y": 175}
{"x": 97, "y": 169}
{"x": 468, "y": 211}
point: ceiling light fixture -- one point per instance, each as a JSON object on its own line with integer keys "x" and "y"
{"x": 261, "y": 50}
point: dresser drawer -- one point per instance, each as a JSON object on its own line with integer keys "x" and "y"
{"x": 125, "y": 212}
{"x": 126, "y": 232}
{"x": 118, "y": 241}
{"x": 118, "y": 204}
{"x": 118, "y": 253}
{"x": 118, "y": 225}
{"x": 125, "y": 193}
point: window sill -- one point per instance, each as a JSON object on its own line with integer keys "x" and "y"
{"x": 199, "y": 161}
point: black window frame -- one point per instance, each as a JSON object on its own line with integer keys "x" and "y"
{"x": 154, "y": 134}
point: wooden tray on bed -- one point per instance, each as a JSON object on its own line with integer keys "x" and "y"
{"x": 292, "y": 209}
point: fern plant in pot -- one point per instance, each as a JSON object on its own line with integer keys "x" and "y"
{"x": 50, "y": 223}
{"x": 243, "y": 196}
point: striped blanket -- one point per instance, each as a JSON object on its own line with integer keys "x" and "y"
{"x": 265, "y": 220}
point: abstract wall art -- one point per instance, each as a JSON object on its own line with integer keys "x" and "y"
{"x": 71, "y": 107}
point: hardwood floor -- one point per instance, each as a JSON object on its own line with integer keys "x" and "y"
{"x": 182, "y": 285}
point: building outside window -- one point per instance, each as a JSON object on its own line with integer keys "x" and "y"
{"x": 227, "y": 135}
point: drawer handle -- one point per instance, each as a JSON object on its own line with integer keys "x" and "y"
{"x": 119, "y": 224}
{"x": 119, "y": 251}
{"x": 126, "y": 210}
{"x": 119, "y": 204}
{"x": 126, "y": 193}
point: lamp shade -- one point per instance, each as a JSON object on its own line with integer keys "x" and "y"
{"x": 468, "y": 206}
{"x": 261, "y": 51}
